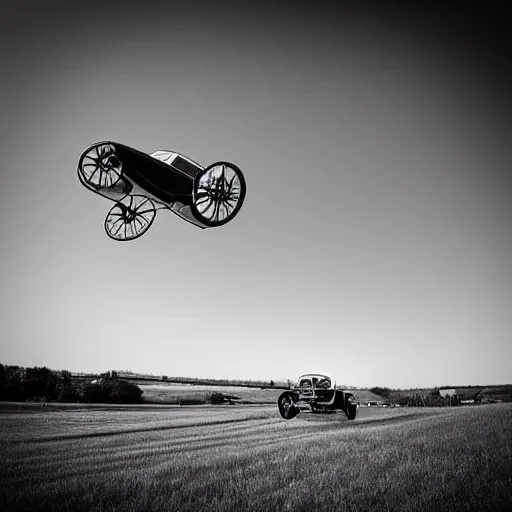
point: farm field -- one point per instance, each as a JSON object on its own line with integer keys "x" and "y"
{"x": 172, "y": 393}
{"x": 237, "y": 458}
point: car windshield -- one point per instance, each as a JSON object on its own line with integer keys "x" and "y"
{"x": 185, "y": 166}
{"x": 322, "y": 382}
{"x": 319, "y": 382}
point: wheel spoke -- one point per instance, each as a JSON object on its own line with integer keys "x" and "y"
{"x": 119, "y": 228}
{"x": 223, "y": 179}
{"x": 95, "y": 171}
{"x": 230, "y": 185}
{"x": 205, "y": 199}
{"x": 206, "y": 208}
{"x": 137, "y": 219}
{"x": 209, "y": 202}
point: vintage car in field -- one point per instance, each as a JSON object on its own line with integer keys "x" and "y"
{"x": 316, "y": 393}
{"x": 140, "y": 184}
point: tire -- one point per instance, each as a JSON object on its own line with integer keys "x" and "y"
{"x": 351, "y": 411}
{"x": 130, "y": 218}
{"x": 218, "y": 195}
{"x": 286, "y": 405}
{"x": 99, "y": 167}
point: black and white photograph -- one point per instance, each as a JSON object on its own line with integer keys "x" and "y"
{"x": 255, "y": 256}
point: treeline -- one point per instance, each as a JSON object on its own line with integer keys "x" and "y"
{"x": 18, "y": 384}
{"x": 433, "y": 397}
{"x": 129, "y": 375}
{"x": 223, "y": 382}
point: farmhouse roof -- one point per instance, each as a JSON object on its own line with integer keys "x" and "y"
{"x": 447, "y": 391}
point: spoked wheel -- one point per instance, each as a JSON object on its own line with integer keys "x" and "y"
{"x": 130, "y": 218}
{"x": 351, "y": 408}
{"x": 99, "y": 166}
{"x": 286, "y": 405}
{"x": 219, "y": 192}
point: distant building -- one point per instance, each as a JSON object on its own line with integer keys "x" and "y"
{"x": 447, "y": 392}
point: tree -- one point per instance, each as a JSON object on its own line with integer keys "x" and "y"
{"x": 122, "y": 391}
{"x": 12, "y": 380}
{"x": 111, "y": 391}
{"x": 40, "y": 383}
{"x": 383, "y": 392}
{"x": 111, "y": 375}
{"x": 65, "y": 376}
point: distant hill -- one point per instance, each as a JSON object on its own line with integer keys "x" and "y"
{"x": 11, "y": 377}
{"x": 503, "y": 393}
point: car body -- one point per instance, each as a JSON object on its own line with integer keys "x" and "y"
{"x": 316, "y": 392}
{"x": 141, "y": 184}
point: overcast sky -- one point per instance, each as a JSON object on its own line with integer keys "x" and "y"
{"x": 374, "y": 243}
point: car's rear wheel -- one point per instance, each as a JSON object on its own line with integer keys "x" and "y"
{"x": 219, "y": 192}
{"x": 351, "y": 408}
{"x": 286, "y": 403}
{"x": 130, "y": 218}
{"x": 99, "y": 167}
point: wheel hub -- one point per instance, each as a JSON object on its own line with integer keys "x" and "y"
{"x": 129, "y": 215}
{"x": 110, "y": 162}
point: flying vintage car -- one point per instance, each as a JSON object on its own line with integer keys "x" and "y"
{"x": 316, "y": 393}
{"x": 141, "y": 184}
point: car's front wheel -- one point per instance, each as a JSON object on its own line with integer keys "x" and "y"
{"x": 286, "y": 403}
{"x": 130, "y": 218}
{"x": 99, "y": 167}
{"x": 351, "y": 411}
{"x": 218, "y": 195}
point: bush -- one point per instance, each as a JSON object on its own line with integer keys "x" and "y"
{"x": 40, "y": 382}
{"x": 122, "y": 391}
{"x": 112, "y": 391}
{"x": 383, "y": 392}
{"x": 11, "y": 379}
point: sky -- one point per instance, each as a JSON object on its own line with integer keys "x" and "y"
{"x": 374, "y": 243}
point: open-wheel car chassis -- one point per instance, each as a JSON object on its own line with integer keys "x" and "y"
{"x": 316, "y": 393}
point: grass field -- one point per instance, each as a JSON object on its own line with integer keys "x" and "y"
{"x": 172, "y": 393}
{"x": 234, "y": 458}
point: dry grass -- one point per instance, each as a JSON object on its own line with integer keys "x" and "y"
{"x": 246, "y": 458}
{"x": 173, "y": 393}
